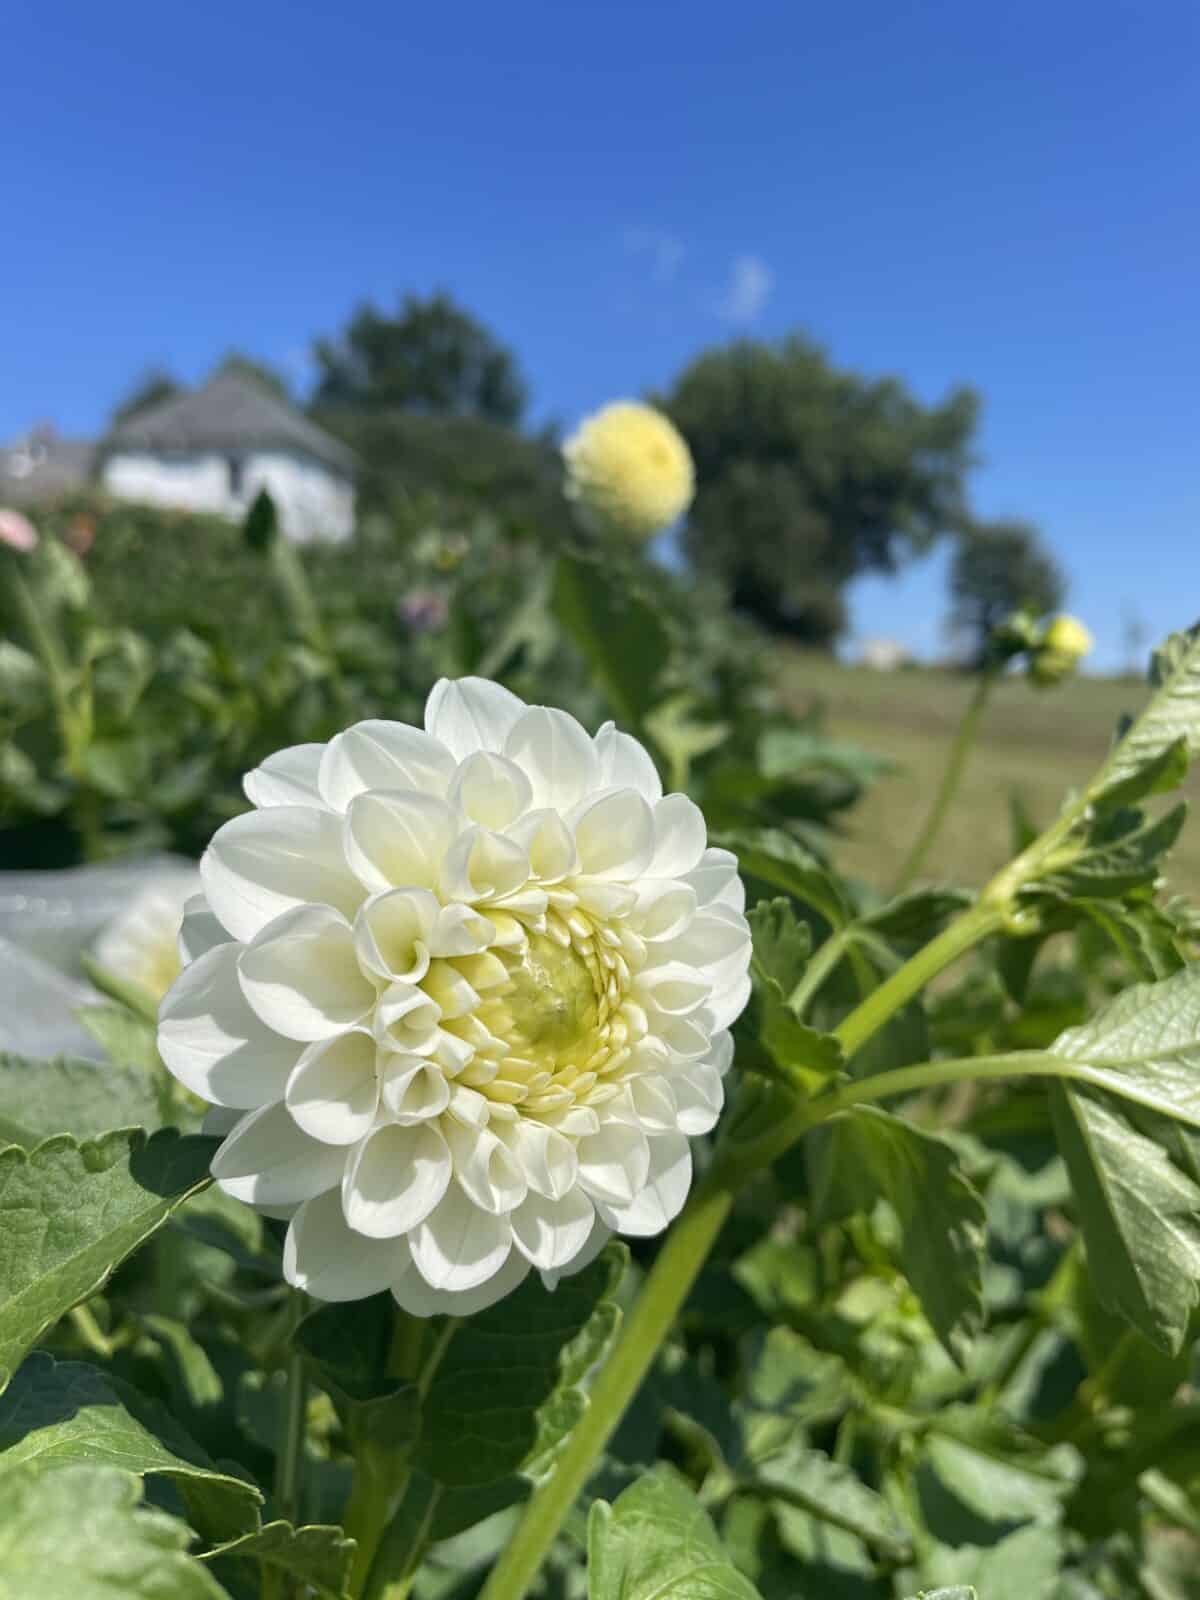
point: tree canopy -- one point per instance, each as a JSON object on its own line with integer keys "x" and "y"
{"x": 809, "y": 475}
{"x": 432, "y": 357}
{"x": 998, "y": 568}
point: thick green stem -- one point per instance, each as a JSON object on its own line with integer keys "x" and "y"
{"x": 955, "y": 763}
{"x": 289, "y": 1462}
{"x": 664, "y": 1291}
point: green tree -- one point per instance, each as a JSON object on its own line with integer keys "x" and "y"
{"x": 808, "y": 475}
{"x": 433, "y": 357}
{"x": 998, "y": 568}
{"x": 154, "y": 385}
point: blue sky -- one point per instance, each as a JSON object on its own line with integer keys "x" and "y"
{"x": 1004, "y": 195}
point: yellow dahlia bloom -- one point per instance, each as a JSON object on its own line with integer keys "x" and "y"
{"x": 1063, "y": 644}
{"x": 629, "y": 470}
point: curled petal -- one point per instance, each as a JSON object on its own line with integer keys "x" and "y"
{"x": 490, "y": 790}
{"x": 458, "y": 1246}
{"x": 333, "y": 1092}
{"x": 325, "y": 1257}
{"x": 199, "y": 932}
{"x": 486, "y": 1168}
{"x": 470, "y": 714}
{"x": 672, "y": 989}
{"x": 661, "y": 1198}
{"x": 301, "y": 975}
{"x": 482, "y": 866}
{"x": 614, "y": 1163}
{"x": 556, "y": 754}
{"x": 412, "y": 1089}
{"x": 394, "y": 1179}
{"x": 269, "y": 1161}
{"x": 413, "y": 1294}
{"x": 625, "y": 764}
{"x": 550, "y": 1233}
{"x": 595, "y": 1242}
{"x": 545, "y": 1156}
{"x": 267, "y": 862}
{"x": 382, "y": 755}
{"x": 392, "y": 934}
{"x": 716, "y": 880}
{"x": 549, "y": 844}
{"x": 213, "y": 1042}
{"x": 679, "y": 837}
{"x": 287, "y": 778}
{"x": 699, "y": 1097}
{"x": 397, "y": 838}
{"x": 614, "y": 835}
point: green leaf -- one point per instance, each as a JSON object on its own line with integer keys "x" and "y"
{"x": 911, "y": 920}
{"x": 71, "y": 1095}
{"x": 870, "y": 1154}
{"x": 833, "y": 1493}
{"x": 622, "y": 639}
{"x": 70, "y": 1213}
{"x": 23, "y": 687}
{"x": 57, "y": 1413}
{"x": 348, "y": 1347}
{"x": 82, "y": 1533}
{"x": 782, "y": 945}
{"x": 504, "y": 1398}
{"x": 999, "y": 1471}
{"x": 957, "y": 1593}
{"x": 1140, "y": 1215}
{"x": 656, "y": 1540}
{"x": 1171, "y": 717}
{"x": 1162, "y": 773}
{"x": 784, "y": 863}
{"x": 319, "y": 1557}
{"x": 1121, "y": 853}
{"x": 1026, "y": 1564}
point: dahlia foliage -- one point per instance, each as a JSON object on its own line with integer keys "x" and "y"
{"x": 459, "y": 996}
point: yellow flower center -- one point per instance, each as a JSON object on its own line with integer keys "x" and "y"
{"x": 553, "y": 998}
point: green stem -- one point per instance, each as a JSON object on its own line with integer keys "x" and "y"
{"x": 678, "y": 1265}
{"x": 955, "y": 763}
{"x": 290, "y": 1460}
{"x": 49, "y": 651}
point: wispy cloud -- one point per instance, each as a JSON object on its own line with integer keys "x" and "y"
{"x": 750, "y": 285}
{"x": 663, "y": 251}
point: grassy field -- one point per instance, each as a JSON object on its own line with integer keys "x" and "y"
{"x": 1034, "y": 745}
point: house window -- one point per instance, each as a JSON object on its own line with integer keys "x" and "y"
{"x": 237, "y": 477}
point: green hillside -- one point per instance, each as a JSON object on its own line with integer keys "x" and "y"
{"x": 1034, "y": 745}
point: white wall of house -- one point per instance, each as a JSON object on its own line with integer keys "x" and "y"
{"x": 312, "y": 501}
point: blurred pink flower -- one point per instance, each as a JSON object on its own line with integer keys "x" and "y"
{"x": 425, "y": 610}
{"x": 16, "y": 530}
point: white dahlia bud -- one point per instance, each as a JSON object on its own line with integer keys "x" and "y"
{"x": 461, "y": 996}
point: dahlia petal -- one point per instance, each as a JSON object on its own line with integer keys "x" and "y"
{"x": 333, "y": 1092}
{"x": 267, "y": 862}
{"x": 397, "y": 838}
{"x": 614, "y": 1163}
{"x": 661, "y": 1198}
{"x": 699, "y": 1097}
{"x": 648, "y": 1103}
{"x": 556, "y": 753}
{"x": 716, "y": 880}
{"x": 394, "y": 1179}
{"x": 614, "y": 835}
{"x": 672, "y": 989}
{"x": 720, "y": 1054}
{"x": 287, "y": 778}
{"x": 406, "y": 1020}
{"x": 392, "y": 934}
{"x": 199, "y": 932}
{"x": 625, "y": 764}
{"x": 548, "y": 842}
{"x": 726, "y": 1005}
{"x": 481, "y": 866}
{"x": 549, "y": 1233}
{"x": 212, "y": 1041}
{"x": 267, "y": 1160}
{"x": 594, "y": 1244}
{"x": 460, "y": 930}
{"x": 490, "y": 789}
{"x": 412, "y": 1089}
{"x": 327, "y": 1259}
{"x": 469, "y": 714}
{"x": 547, "y": 1159}
{"x": 679, "y": 837}
{"x": 412, "y": 1294}
{"x": 301, "y": 975}
{"x": 382, "y": 755}
{"x": 717, "y": 941}
{"x": 485, "y": 1168}
{"x": 458, "y": 1246}
{"x": 664, "y": 909}
{"x": 220, "y": 1120}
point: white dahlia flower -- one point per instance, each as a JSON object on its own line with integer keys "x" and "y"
{"x": 460, "y": 995}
